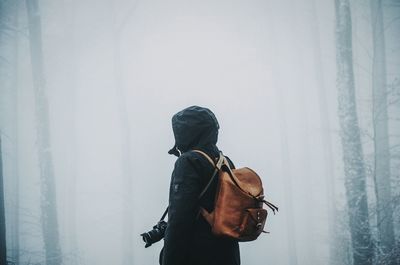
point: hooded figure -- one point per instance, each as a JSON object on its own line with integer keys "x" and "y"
{"x": 188, "y": 238}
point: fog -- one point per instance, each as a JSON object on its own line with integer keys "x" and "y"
{"x": 115, "y": 72}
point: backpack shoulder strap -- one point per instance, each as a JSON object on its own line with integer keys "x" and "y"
{"x": 206, "y": 156}
{"x": 217, "y": 167}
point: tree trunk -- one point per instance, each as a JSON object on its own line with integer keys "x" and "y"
{"x": 381, "y": 137}
{"x": 391, "y": 17}
{"x": 47, "y": 178}
{"x": 9, "y": 118}
{"x": 355, "y": 177}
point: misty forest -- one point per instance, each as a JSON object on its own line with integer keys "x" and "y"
{"x": 306, "y": 92}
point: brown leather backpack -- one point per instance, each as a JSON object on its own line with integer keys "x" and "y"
{"x": 238, "y": 212}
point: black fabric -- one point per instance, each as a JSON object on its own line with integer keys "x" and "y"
{"x": 188, "y": 239}
{"x": 195, "y": 128}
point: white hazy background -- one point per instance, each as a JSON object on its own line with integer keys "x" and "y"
{"x": 235, "y": 57}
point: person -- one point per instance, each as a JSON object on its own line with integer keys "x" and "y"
{"x": 188, "y": 237}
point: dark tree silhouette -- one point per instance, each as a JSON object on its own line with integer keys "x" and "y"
{"x": 354, "y": 168}
{"x": 382, "y": 175}
{"x": 48, "y": 190}
{"x": 9, "y": 43}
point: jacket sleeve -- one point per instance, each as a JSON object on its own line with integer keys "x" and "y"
{"x": 183, "y": 208}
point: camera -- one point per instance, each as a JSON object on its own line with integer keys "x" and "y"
{"x": 154, "y": 235}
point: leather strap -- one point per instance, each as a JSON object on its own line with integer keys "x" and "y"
{"x": 232, "y": 176}
{"x": 271, "y": 206}
{"x": 217, "y": 168}
{"x": 220, "y": 161}
{"x": 206, "y": 156}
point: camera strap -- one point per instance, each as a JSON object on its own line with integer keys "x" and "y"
{"x": 164, "y": 214}
{"x": 217, "y": 167}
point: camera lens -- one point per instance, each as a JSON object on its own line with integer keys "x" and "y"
{"x": 154, "y": 235}
{"x": 147, "y": 239}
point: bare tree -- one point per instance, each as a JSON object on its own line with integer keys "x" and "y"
{"x": 48, "y": 190}
{"x": 391, "y": 16}
{"x": 9, "y": 117}
{"x": 354, "y": 168}
{"x": 382, "y": 176}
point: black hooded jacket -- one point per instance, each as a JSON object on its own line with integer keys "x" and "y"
{"x": 188, "y": 238}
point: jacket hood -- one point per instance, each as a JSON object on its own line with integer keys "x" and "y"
{"x": 195, "y": 128}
